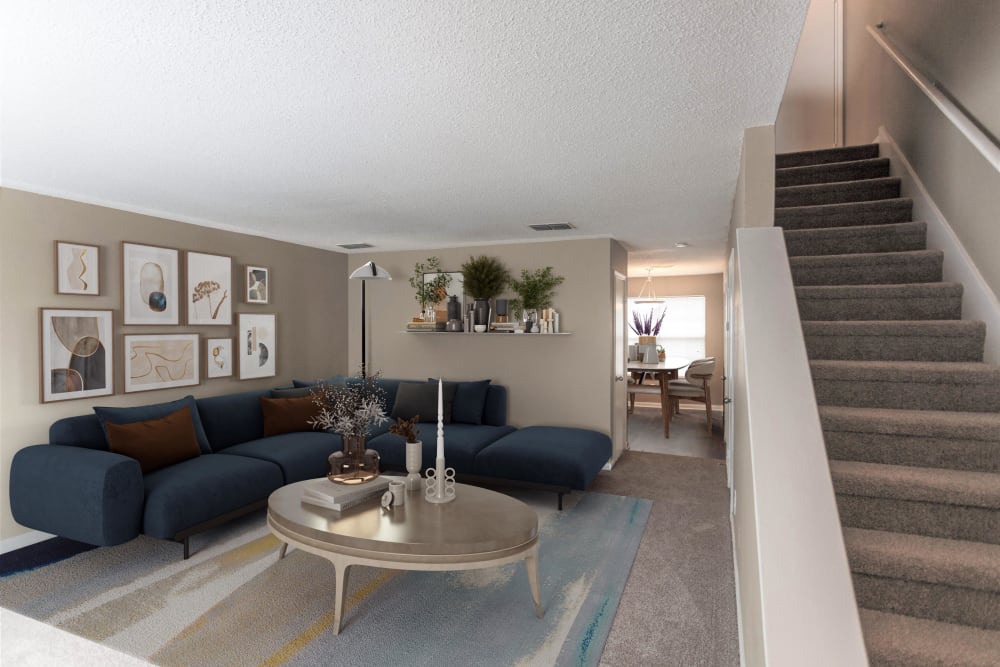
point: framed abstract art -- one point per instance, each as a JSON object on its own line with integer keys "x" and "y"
{"x": 160, "y": 361}
{"x": 258, "y": 284}
{"x": 218, "y": 357}
{"x": 150, "y": 276}
{"x": 77, "y": 354}
{"x": 77, "y": 268}
{"x": 257, "y": 346}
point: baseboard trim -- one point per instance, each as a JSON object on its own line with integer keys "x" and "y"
{"x": 978, "y": 300}
{"x": 23, "y": 540}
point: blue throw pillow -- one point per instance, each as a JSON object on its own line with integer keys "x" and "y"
{"x": 142, "y": 413}
{"x": 336, "y": 379}
{"x": 470, "y": 401}
{"x": 421, "y": 398}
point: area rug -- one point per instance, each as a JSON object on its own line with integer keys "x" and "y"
{"x": 234, "y": 603}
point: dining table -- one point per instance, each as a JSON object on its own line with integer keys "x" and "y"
{"x": 664, "y": 371}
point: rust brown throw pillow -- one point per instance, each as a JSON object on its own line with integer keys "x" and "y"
{"x": 156, "y": 443}
{"x": 287, "y": 415}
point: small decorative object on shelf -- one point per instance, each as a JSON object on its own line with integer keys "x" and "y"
{"x": 440, "y": 480}
{"x": 351, "y": 409}
{"x": 536, "y": 289}
{"x": 414, "y": 449}
{"x": 429, "y": 292}
{"x": 485, "y": 278}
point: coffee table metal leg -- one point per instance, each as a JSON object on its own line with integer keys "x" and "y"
{"x": 340, "y": 576}
{"x": 531, "y": 564}
{"x": 284, "y": 550}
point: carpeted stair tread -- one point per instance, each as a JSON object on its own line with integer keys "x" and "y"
{"x": 926, "y": 485}
{"x": 896, "y": 237}
{"x": 910, "y": 385}
{"x": 832, "y": 172}
{"x": 825, "y": 155}
{"x": 833, "y": 193}
{"x": 904, "y": 641}
{"x": 847, "y": 214}
{"x": 895, "y": 340}
{"x": 984, "y": 426}
{"x": 958, "y": 563}
{"x": 914, "y": 301}
{"x": 890, "y": 268}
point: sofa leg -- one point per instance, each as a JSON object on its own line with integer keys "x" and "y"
{"x": 561, "y": 494}
{"x": 187, "y": 548}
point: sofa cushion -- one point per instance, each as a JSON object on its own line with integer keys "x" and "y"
{"x": 495, "y": 410}
{"x": 291, "y": 392}
{"x": 470, "y": 400}
{"x": 287, "y": 415}
{"x": 547, "y": 455}
{"x": 232, "y": 418}
{"x": 192, "y": 492}
{"x": 155, "y": 411}
{"x": 299, "y": 455}
{"x": 156, "y": 443}
{"x": 461, "y": 444}
{"x": 80, "y": 431}
{"x": 335, "y": 379}
{"x": 421, "y": 398}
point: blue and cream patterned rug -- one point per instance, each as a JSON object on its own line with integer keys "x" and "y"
{"x": 234, "y": 603}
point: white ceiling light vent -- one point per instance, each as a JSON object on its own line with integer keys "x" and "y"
{"x": 354, "y": 246}
{"x": 552, "y": 227}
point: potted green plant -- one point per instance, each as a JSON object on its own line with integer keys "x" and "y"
{"x": 535, "y": 289}
{"x": 432, "y": 291}
{"x": 485, "y": 278}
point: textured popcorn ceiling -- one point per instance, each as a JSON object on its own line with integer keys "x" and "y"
{"x": 403, "y": 123}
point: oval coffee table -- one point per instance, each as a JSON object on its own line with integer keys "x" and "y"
{"x": 479, "y": 529}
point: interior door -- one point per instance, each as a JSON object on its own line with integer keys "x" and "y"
{"x": 727, "y": 373}
{"x": 619, "y": 389}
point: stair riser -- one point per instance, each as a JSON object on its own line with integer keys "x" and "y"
{"x": 869, "y": 213}
{"x": 835, "y": 194}
{"x": 938, "y": 602}
{"x": 895, "y": 348}
{"x": 881, "y": 309}
{"x": 922, "y": 270}
{"x": 943, "y": 395}
{"x": 955, "y": 522}
{"x": 801, "y": 244}
{"x": 833, "y": 173}
{"x": 826, "y": 156}
{"x": 909, "y": 450}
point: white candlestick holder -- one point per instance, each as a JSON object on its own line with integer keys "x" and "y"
{"x": 440, "y": 484}
{"x": 414, "y": 458}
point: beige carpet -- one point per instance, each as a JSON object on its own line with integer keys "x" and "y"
{"x": 679, "y": 606}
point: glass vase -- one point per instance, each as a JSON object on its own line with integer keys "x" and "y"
{"x": 354, "y": 464}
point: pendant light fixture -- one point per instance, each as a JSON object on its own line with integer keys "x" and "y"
{"x": 651, "y": 297}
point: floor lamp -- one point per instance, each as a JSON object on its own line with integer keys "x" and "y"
{"x": 364, "y": 273}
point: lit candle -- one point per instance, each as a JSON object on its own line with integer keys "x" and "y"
{"x": 440, "y": 440}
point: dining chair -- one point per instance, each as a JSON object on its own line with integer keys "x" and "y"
{"x": 637, "y": 385}
{"x": 696, "y": 386}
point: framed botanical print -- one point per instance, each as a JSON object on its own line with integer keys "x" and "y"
{"x": 160, "y": 361}
{"x": 258, "y": 284}
{"x": 218, "y": 357}
{"x": 78, "y": 268}
{"x": 256, "y": 342}
{"x": 150, "y": 277}
{"x": 77, "y": 354}
{"x": 209, "y": 289}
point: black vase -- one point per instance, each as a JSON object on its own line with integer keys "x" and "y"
{"x": 454, "y": 308}
{"x": 481, "y": 311}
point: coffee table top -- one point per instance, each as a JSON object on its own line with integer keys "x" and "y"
{"x": 478, "y": 521}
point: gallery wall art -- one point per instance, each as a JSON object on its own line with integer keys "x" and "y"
{"x": 77, "y": 268}
{"x": 150, "y": 277}
{"x": 77, "y": 354}
{"x": 160, "y": 361}
{"x": 209, "y": 289}
{"x": 258, "y": 284}
{"x": 218, "y": 357}
{"x": 256, "y": 341}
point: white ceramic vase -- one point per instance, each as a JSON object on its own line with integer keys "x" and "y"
{"x": 414, "y": 460}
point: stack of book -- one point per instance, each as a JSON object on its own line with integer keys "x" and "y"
{"x": 324, "y": 493}
{"x": 425, "y": 326}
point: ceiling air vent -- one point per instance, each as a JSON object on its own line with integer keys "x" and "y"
{"x": 552, "y": 227}
{"x": 354, "y": 246}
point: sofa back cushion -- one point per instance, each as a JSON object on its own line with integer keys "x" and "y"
{"x": 139, "y": 413}
{"x": 421, "y": 399}
{"x": 156, "y": 443}
{"x": 495, "y": 409}
{"x": 82, "y": 431}
{"x": 232, "y": 418}
{"x": 470, "y": 400}
{"x": 287, "y": 415}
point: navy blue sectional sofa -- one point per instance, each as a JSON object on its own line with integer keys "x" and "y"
{"x": 76, "y": 487}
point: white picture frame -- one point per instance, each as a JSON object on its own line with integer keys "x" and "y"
{"x": 257, "y": 345}
{"x": 77, "y": 354}
{"x": 78, "y": 268}
{"x": 218, "y": 358}
{"x": 150, "y": 278}
{"x": 209, "y": 291}
{"x": 160, "y": 361}
{"x": 257, "y": 284}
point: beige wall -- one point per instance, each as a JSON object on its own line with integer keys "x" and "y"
{"x": 712, "y": 286}
{"x": 552, "y": 380}
{"x": 956, "y": 44}
{"x": 307, "y": 295}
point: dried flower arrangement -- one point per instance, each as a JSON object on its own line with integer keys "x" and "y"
{"x": 405, "y": 428}
{"x": 645, "y": 325}
{"x": 350, "y": 409}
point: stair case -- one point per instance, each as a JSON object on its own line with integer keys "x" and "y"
{"x": 910, "y": 413}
